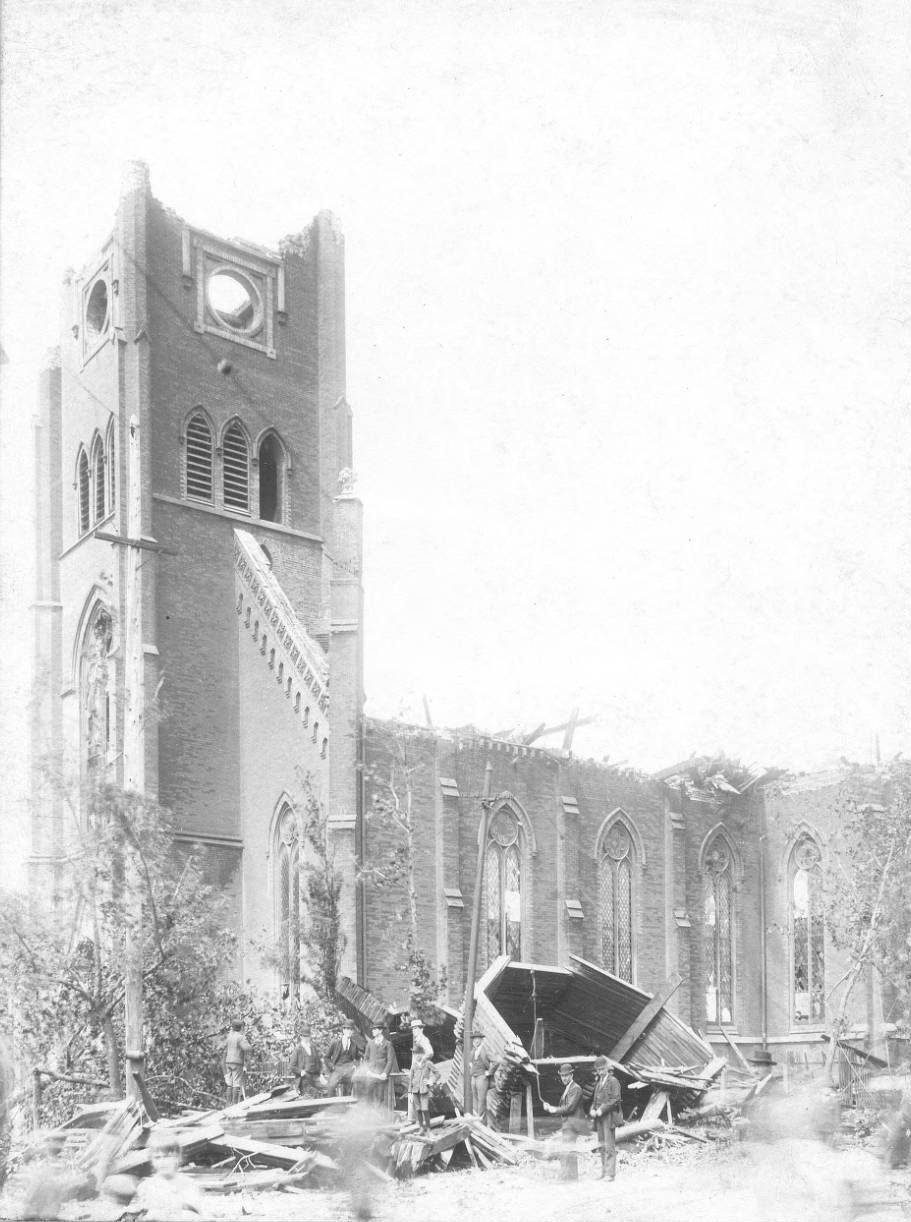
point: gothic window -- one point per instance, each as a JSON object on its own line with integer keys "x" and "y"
{"x": 199, "y": 459}
{"x": 109, "y": 450}
{"x": 236, "y": 465}
{"x": 82, "y": 491}
{"x": 96, "y": 684}
{"x": 615, "y": 881}
{"x": 718, "y": 892}
{"x": 271, "y": 479}
{"x": 807, "y": 936}
{"x": 288, "y": 886}
{"x": 503, "y": 881}
{"x": 98, "y": 478}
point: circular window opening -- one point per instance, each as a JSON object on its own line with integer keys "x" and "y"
{"x": 96, "y": 312}
{"x": 235, "y": 301}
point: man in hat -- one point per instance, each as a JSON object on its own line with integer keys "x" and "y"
{"x": 341, "y": 1060}
{"x": 572, "y": 1108}
{"x": 378, "y": 1066}
{"x": 481, "y": 1069}
{"x": 233, "y": 1062}
{"x": 606, "y": 1113}
{"x": 305, "y": 1062}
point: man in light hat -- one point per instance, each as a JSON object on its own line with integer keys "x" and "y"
{"x": 341, "y": 1060}
{"x": 607, "y": 1114}
{"x": 306, "y": 1063}
{"x": 572, "y": 1108}
{"x": 378, "y": 1066}
{"x": 481, "y": 1069}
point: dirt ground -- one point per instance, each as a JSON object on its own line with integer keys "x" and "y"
{"x": 784, "y": 1181}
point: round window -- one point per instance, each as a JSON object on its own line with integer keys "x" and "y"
{"x": 96, "y": 312}
{"x": 235, "y": 301}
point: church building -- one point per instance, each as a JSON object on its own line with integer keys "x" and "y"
{"x": 198, "y": 629}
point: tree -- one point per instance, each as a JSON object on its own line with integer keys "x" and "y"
{"x": 867, "y": 884}
{"x": 394, "y": 808}
{"x": 322, "y": 888}
{"x": 62, "y": 975}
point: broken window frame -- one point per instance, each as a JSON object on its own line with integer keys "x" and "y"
{"x": 806, "y": 935}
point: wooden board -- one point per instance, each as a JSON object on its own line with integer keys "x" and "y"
{"x": 191, "y": 1140}
{"x": 269, "y": 1153}
{"x": 652, "y": 1009}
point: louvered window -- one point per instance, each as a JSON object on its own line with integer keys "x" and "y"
{"x": 98, "y": 476}
{"x": 236, "y": 461}
{"x": 82, "y": 480}
{"x": 199, "y": 459}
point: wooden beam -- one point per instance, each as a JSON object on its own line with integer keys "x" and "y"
{"x": 652, "y": 1010}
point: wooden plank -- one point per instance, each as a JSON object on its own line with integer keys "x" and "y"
{"x": 291, "y": 1108}
{"x": 285, "y": 1132}
{"x": 190, "y": 1140}
{"x": 270, "y": 1153}
{"x": 147, "y": 1102}
{"x": 655, "y": 1006}
{"x": 739, "y": 1055}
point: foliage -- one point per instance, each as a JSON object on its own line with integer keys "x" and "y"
{"x": 394, "y": 808}
{"x": 62, "y": 984}
{"x": 868, "y": 879}
{"x": 322, "y": 883}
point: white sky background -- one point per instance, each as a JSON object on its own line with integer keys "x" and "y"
{"x": 628, "y": 333}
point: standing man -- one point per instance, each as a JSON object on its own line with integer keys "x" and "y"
{"x": 341, "y": 1060}
{"x": 481, "y": 1070}
{"x": 572, "y": 1109}
{"x": 423, "y": 1074}
{"x": 379, "y": 1066}
{"x": 606, "y": 1114}
{"x": 234, "y": 1061}
{"x": 305, "y": 1062}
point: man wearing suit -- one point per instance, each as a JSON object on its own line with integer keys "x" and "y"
{"x": 341, "y": 1060}
{"x": 422, "y": 1076}
{"x": 305, "y": 1062}
{"x": 481, "y": 1069}
{"x": 378, "y": 1066}
{"x": 606, "y": 1113}
{"x": 572, "y": 1108}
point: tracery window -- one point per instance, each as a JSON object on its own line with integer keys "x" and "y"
{"x": 96, "y": 686}
{"x": 199, "y": 458}
{"x": 807, "y": 934}
{"x": 719, "y": 932}
{"x": 109, "y": 450}
{"x": 615, "y": 885}
{"x": 236, "y": 468}
{"x": 288, "y": 887}
{"x": 83, "y": 498}
{"x": 503, "y": 884}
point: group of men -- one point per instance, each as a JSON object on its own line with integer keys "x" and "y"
{"x": 350, "y": 1066}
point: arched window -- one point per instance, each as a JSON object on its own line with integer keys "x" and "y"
{"x": 83, "y": 498}
{"x": 98, "y": 478}
{"x": 718, "y": 911}
{"x": 503, "y": 884}
{"x": 199, "y": 459}
{"x": 236, "y": 463}
{"x": 96, "y": 691}
{"x": 109, "y": 450}
{"x": 615, "y": 885}
{"x": 807, "y": 934}
{"x": 271, "y": 479}
{"x": 288, "y": 907}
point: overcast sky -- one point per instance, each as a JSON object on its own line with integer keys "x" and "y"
{"x": 628, "y": 333}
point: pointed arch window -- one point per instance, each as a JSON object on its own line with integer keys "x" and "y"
{"x": 109, "y": 451}
{"x": 96, "y": 691}
{"x": 271, "y": 479}
{"x": 807, "y": 934}
{"x": 236, "y": 468}
{"x": 98, "y": 478}
{"x": 615, "y": 886}
{"x": 199, "y": 459}
{"x": 503, "y": 885}
{"x": 288, "y": 888}
{"x": 718, "y": 927}
{"x": 83, "y": 497}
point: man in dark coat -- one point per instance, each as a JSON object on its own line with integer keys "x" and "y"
{"x": 482, "y": 1070}
{"x": 606, "y": 1113}
{"x": 572, "y": 1108}
{"x": 422, "y": 1076}
{"x": 341, "y": 1060}
{"x": 234, "y": 1061}
{"x": 306, "y": 1063}
{"x": 378, "y": 1066}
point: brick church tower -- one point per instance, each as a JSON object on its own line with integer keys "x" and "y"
{"x": 199, "y": 553}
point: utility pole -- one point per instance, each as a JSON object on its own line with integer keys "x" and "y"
{"x": 468, "y": 1010}
{"x": 133, "y": 763}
